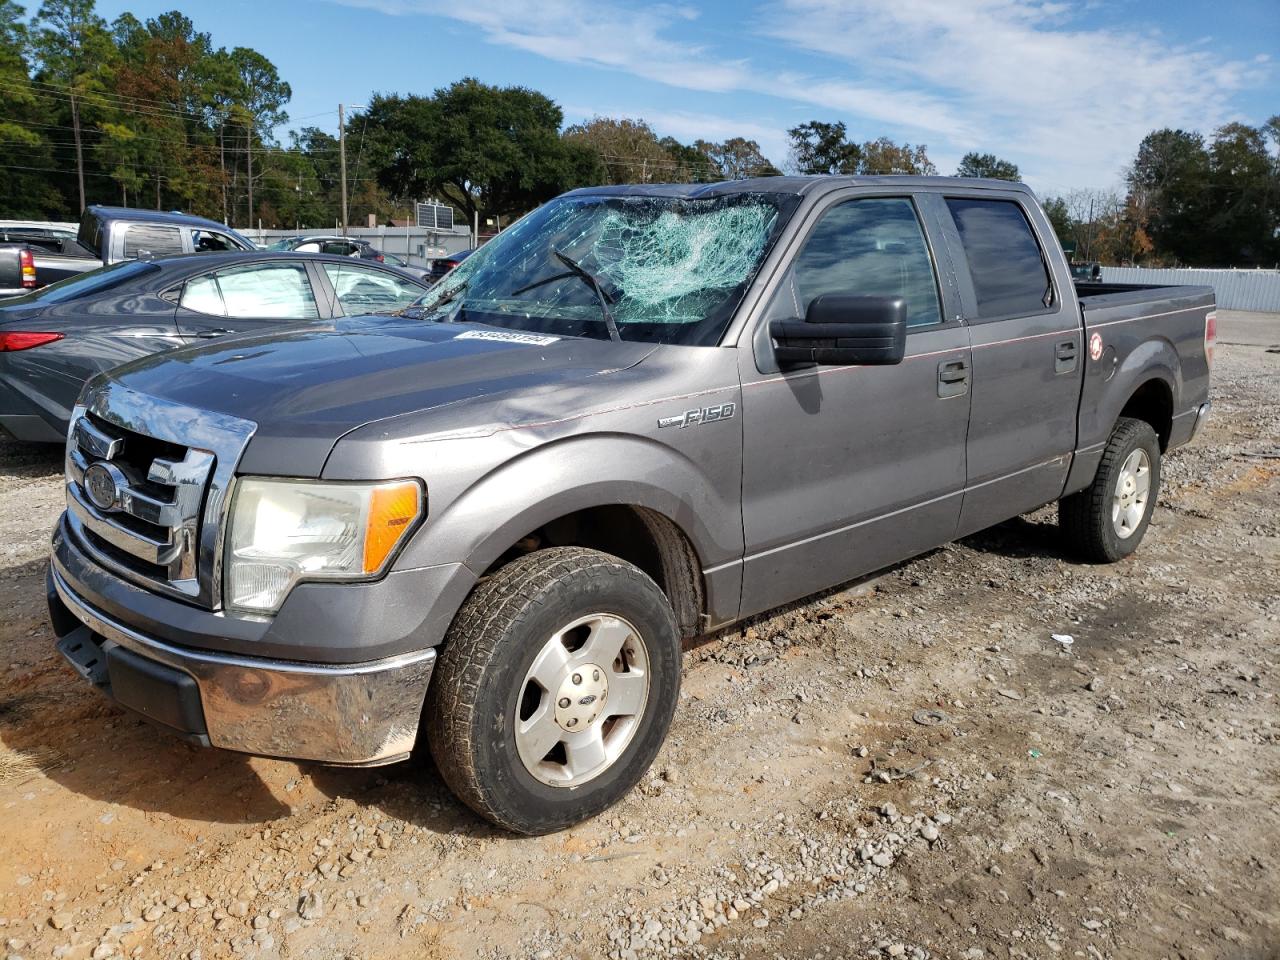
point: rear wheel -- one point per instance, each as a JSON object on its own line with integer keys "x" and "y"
{"x": 1106, "y": 521}
{"x": 555, "y": 689}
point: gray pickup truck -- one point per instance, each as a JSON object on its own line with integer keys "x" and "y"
{"x": 638, "y": 415}
{"x": 33, "y": 258}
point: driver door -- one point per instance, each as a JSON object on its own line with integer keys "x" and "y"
{"x": 847, "y": 469}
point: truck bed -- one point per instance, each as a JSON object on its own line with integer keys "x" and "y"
{"x": 1149, "y": 338}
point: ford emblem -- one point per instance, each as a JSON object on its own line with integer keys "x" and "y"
{"x": 103, "y": 485}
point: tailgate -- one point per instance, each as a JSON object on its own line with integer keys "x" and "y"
{"x": 10, "y": 268}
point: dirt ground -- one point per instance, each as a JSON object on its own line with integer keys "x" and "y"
{"x": 911, "y": 767}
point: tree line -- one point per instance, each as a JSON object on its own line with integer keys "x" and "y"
{"x": 155, "y": 114}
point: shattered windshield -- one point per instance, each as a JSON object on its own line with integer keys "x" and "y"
{"x": 669, "y": 269}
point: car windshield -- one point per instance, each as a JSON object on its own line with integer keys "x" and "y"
{"x": 90, "y": 282}
{"x": 285, "y": 244}
{"x": 671, "y": 269}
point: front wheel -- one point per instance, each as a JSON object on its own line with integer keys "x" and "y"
{"x": 555, "y": 689}
{"x": 1106, "y": 521}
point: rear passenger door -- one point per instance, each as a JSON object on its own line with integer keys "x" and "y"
{"x": 1027, "y": 358}
{"x": 244, "y": 298}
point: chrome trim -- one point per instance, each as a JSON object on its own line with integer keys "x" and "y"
{"x": 95, "y": 441}
{"x": 360, "y": 714}
{"x": 202, "y": 481}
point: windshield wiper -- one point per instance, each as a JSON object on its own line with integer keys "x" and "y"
{"x": 447, "y": 297}
{"x": 577, "y": 270}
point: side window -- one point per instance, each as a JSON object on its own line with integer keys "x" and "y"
{"x": 310, "y": 246}
{"x": 209, "y": 241}
{"x": 277, "y": 291}
{"x": 202, "y": 296}
{"x": 871, "y": 247}
{"x": 151, "y": 240}
{"x": 362, "y": 290}
{"x": 341, "y": 248}
{"x": 1008, "y": 270}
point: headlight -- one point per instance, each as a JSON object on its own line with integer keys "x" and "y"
{"x": 283, "y": 531}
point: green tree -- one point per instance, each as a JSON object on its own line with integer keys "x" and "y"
{"x": 737, "y": 159}
{"x": 1242, "y": 177}
{"x": 629, "y": 150}
{"x": 1169, "y": 189}
{"x": 25, "y": 188}
{"x": 988, "y": 165}
{"x": 1055, "y": 208}
{"x": 75, "y": 53}
{"x": 691, "y": 165}
{"x": 818, "y": 147}
{"x": 883, "y": 156}
{"x": 495, "y": 151}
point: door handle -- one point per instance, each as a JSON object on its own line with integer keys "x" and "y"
{"x": 953, "y": 378}
{"x": 210, "y": 334}
{"x": 1064, "y": 356}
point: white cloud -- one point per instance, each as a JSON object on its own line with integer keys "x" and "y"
{"x": 1068, "y": 101}
{"x": 1023, "y": 78}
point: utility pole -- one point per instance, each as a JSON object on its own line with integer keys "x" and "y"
{"x": 222, "y": 166}
{"x": 249, "y": 157}
{"x": 342, "y": 163}
{"x": 75, "y": 126}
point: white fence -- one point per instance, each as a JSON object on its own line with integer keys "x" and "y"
{"x": 414, "y": 244}
{"x": 1235, "y": 289}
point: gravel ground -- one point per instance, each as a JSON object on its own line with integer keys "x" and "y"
{"x": 909, "y": 767}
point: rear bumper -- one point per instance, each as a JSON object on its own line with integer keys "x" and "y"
{"x": 1186, "y": 425}
{"x": 358, "y": 714}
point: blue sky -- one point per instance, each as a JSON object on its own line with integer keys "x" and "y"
{"x": 1065, "y": 90}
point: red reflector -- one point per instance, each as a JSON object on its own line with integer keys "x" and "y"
{"x": 28, "y": 265}
{"x": 381, "y": 259}
{"x": 25, "y": 341}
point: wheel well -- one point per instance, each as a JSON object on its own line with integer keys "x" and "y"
{"x": 638, "y": 535}
{"x": 1153, "y": 402}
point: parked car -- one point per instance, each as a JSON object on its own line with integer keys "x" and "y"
{"x": 401, "y": 263}
{"x": 1086, "y": 271}
{"x": 336, "y": 245}
{"x": 108, "y": 235}
{"x": 53, "y": 340}
{"x": 639, "y": 415}
{"x": 443, "y": 265}
{"x": 11, "y": 230}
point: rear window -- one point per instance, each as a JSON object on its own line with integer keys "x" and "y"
{"x": 151, "y": 240}
{"x": 1005, "y": 262}
{"x": 91, "y": 282}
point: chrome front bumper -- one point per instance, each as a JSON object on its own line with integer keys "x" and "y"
{"x": 359, "y": 714}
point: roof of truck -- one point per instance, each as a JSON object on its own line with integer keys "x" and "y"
{"x": 155, "y": 216}
{"x": 794, "y": 185}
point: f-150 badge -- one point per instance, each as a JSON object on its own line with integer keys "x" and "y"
{"x": 692, "y": 418}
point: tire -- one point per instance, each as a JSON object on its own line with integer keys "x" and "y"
{"x": 513, "y": 642}
{"x": 1095, "y": 522}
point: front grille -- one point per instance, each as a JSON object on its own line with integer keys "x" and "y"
{"x": 138, "y": 501}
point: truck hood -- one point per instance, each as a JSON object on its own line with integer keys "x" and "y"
{"x": 306, "y": 387}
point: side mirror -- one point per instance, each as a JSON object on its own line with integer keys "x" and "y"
{"x": 842, "y": 329}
